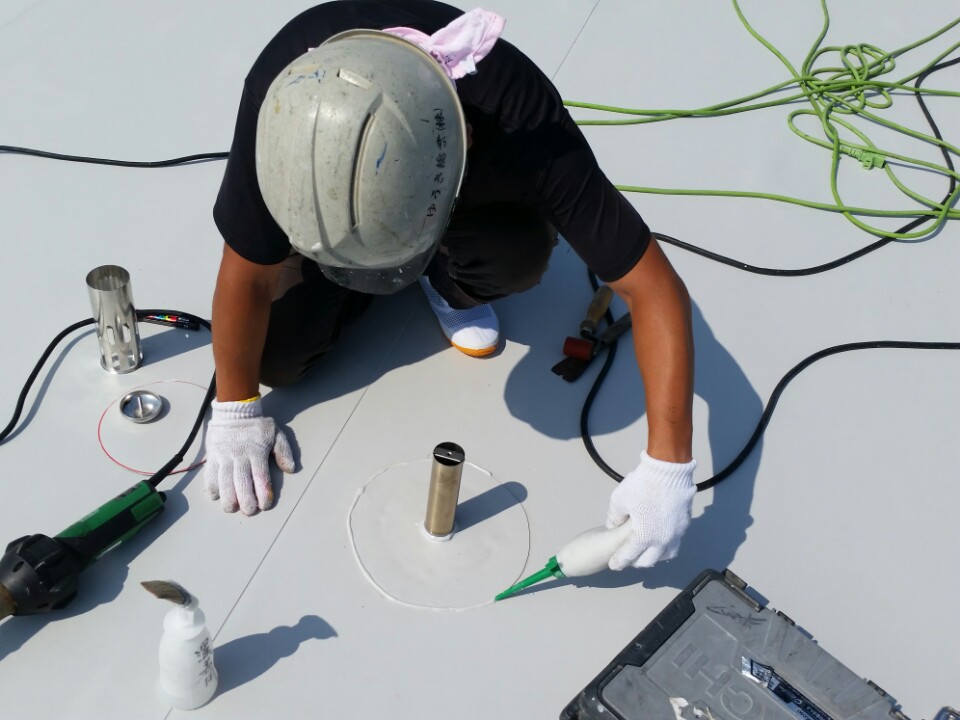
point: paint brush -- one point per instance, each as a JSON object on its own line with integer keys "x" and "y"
{"x": 169, "y": 590}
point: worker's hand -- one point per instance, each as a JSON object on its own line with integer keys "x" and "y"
{"x": 657, "y": 499}
{"x": 239, "y": 442}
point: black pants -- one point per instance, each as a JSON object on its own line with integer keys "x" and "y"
{"x": 487, "y": 253}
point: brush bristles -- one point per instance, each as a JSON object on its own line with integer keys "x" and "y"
{"x": 168, "y": 590}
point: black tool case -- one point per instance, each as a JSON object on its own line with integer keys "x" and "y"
{"x": 715, "y": 653}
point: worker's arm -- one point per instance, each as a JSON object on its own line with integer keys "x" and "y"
{"x": 241, "y": 311}
{"x": 657, "y": 497}
{"x": 663, "y": 340}
{"x": 239, "y": 439}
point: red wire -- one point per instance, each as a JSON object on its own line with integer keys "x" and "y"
{"x": 127, "y": 467}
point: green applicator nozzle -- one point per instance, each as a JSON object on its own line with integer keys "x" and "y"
{"x": 588, "y": 553}
{"x": 551, "y": 570}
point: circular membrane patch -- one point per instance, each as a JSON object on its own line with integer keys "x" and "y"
{"x": 486, "y": 553}
{"x": 146, "y": 447}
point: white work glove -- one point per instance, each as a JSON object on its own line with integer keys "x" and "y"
{"x": 239, "y": 442}
{"x": 657, "y": 498}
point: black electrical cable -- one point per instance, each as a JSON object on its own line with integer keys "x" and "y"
{"x": 796, "y": 370}
{"x": 36, "y": 371}
{"x": 799, "y": 367}
{"x": 185, "y": 160}
{"x": 172, "y": 463}
{"x": 163, "y": 472}
{"x": 767, "y": 410}
{"x": 592, "y": 395}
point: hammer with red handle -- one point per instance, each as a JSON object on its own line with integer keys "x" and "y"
{"x": 580, "y": 351}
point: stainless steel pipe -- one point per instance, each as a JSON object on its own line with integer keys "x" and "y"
{"x": 444, "y": 489}
{"x": 111, "y": 300}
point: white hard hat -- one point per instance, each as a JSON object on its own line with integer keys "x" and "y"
{"x": 361, "y": 149}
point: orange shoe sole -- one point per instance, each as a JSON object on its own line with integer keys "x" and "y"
{"x": 483, "y": 352}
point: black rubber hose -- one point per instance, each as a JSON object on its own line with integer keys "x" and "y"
{"x": 799, "y": 367}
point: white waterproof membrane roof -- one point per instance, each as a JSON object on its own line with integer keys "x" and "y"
{"x": 844, "y": 516}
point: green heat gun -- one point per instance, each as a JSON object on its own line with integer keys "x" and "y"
{"x": 40, "y": 573}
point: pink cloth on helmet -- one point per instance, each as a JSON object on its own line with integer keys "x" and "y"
{"x": 459, "y": 46}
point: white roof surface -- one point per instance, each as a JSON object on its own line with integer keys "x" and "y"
{"x": 844, "y": 517}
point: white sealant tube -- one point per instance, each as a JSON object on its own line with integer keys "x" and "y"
{"x": 188, "y": 678}
{"x": 590, "y": 551}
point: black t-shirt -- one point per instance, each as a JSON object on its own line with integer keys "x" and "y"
{"x": 526, "y": 148}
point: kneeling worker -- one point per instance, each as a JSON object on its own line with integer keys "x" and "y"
{"x": 382, "y": 143}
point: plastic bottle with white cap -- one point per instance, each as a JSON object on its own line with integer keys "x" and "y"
{"x": 188, "y": 677}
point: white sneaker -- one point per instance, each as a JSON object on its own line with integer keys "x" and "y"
{"x": 474, "y": 331}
